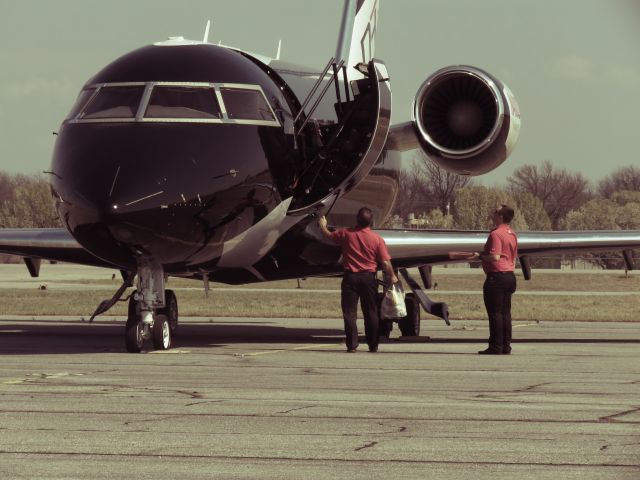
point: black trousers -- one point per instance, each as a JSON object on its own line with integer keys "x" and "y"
{"x": 363, "y": 286}
{"x": 497, "y": 290}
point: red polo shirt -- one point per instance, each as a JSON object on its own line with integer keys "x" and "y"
{"x": 362, "y": 249}
{"x": 502, "y": 241}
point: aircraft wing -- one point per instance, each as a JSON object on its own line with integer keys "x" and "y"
{"x": 411, "y": 248}
{"x": 46, "y": 243}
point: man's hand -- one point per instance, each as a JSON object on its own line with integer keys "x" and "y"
{"x": 394, "y": 279}
{"x": 322, "y": 223}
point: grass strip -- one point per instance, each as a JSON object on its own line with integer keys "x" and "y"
{"x": 541, "y": 281}
{"x": 321, "y": 305}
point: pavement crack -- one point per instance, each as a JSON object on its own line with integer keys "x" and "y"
{"x": 366, "y": 445}
{"x": 311, "y": 371}
{"x": 615, "y": 416}
{"x": 202, "y": 403}
{"x": 297, "y": 408}
{"x": 191, "y": 394}
{"x": 613, "y": 445}
{"x": 400, "y": 429}
{"x": 531, "y": 387}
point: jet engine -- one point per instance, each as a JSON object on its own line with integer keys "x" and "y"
{"x": 465, "y": 120}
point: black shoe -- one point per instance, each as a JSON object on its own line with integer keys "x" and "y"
{"x": 506, "y": 351}
{"x": 351, "y": 350}
{"x": 489, "y": 351}
{"x": 373, "y": 349}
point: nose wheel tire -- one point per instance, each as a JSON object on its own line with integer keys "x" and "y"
{"x": 134, "y": 330}
{"x": 162, "y": 335}
{"x": 165, "y": 322}
{"x": 170, "y": 309}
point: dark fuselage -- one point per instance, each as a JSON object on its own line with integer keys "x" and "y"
{"x": 177, "y": 189}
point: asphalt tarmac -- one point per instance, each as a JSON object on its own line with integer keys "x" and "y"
{"x": 279, "y": 398}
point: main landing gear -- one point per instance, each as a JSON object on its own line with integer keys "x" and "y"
{"x": 409, "y": 325}
{"x": 153, "y": 311}
{"x": 414, "y": 300}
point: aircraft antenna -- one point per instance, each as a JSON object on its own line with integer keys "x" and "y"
{"x": 206, "y": 32}
{"x": 278, "y": 52}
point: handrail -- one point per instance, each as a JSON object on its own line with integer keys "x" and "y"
{"x": 321, "y": 96}
{"x": 313, "y": 90}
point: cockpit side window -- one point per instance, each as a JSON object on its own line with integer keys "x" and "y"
{"x": 183, "y": 102}
{"x": 244, "y": 104}
{"x": 81, "y": 101}
{"x": 114, "y": 102}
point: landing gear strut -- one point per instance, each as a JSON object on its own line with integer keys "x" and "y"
{"x": 152, "y": 312}
{"x": 410, "y": 325}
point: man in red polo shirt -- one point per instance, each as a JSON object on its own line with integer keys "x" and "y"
{"x": 498, "y": 262}
{"x": 362, "y": 251}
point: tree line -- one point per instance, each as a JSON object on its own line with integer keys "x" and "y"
{"x": 545, "y": 197}
{"x": 26, "y": 202}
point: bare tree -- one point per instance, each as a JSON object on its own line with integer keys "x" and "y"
{"x": 6, "y": 187}
{"x": 409, "y": 196}
{"x": 625, "y": 178}
{"x": 425, "y": 187}
{"x": 441, "y": 184}
{"x": 559, "y": 190}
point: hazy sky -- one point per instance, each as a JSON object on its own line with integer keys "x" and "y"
{"x": 574, "y": 65}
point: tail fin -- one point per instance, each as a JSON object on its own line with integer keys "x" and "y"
{"x": 356, "y": 41}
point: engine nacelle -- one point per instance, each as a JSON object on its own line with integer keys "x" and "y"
{"x": 466, "y": 120}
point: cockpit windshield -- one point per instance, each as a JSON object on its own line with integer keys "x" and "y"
{"x": 183, "y": 102}
{"x": 114, "y": 102}
{"x": 178, "y": 102}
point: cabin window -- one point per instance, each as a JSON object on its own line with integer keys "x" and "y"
{"x": 81, "y": 101}
{"x": 114, "y": 102}
{"x": 183, "y": 102}
{"x": 244, "y": 104}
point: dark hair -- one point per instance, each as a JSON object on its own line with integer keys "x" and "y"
{"x": 506, "y": 213}
{"x": 365, "y": 217}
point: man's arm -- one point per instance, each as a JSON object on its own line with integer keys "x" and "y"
{"x": 322, "y": 223}
{"x": 485, "y": 257}
{"x": 388, "y": 271}
{"x": 492, "y": 250}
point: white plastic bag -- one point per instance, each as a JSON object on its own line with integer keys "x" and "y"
{"x": 393, "y": 303}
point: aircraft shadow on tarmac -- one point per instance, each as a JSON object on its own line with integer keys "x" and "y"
{"x": 23, "y": 338}
{"x": 20, "y": 338}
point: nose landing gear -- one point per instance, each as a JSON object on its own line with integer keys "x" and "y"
{"x": 159, "y": 326}
{"x": 152, "y": 312}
